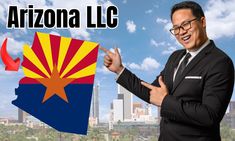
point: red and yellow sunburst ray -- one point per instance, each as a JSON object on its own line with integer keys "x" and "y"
{"x": 81, "y": 64}
{"x": 80, "y": 54}
{"x": 44, "y": 40}
{"x": 64, "y": 46}
{"x": 32, "y": 57}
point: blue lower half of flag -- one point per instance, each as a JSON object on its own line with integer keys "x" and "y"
{"x": 71, "y": 117}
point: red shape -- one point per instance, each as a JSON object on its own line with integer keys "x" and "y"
{"x": 86, "y": 61}
{"x": 55, "y": 43}
{"x": 84, "y": 80}
{"x": 11, "y": 65}
{"x": 37, "y": 48}
{"x": 29, "y": 65}
{"x": 27, "y": 80}
{"x": 74, "y": 46}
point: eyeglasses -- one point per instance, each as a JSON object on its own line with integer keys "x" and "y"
{"x": 185, "y": 26}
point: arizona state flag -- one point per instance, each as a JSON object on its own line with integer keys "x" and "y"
{"x": 58, "y": 83}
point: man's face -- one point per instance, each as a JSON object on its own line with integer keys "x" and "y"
{"x": 193, "y": 37}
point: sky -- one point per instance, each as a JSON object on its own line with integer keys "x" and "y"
{"x": 142, "y": 37}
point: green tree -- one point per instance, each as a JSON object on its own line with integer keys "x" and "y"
{"x": 227, "y": 134}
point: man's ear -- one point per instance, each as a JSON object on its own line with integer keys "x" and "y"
{"x": 203, "y": 21}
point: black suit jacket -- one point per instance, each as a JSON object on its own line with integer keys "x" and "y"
{"x": 197, "y": 101}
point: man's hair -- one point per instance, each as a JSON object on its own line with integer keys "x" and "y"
{"x": 193, "y": 6}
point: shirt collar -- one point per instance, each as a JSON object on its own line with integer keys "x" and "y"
{"x": 194, "y": 53}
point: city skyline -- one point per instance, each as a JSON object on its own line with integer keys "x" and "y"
{"x": 142, "y": 36}
{"x": 124, "y": 109}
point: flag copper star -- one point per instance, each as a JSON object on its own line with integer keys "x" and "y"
{"x": 55, "y": 85}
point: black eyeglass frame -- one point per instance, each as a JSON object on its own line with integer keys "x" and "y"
{"x": 183, "y": 25}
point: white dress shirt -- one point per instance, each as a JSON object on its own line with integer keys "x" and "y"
{"x": 193, "y": 54}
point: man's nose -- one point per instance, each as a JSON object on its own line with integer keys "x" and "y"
{"x": 182, "y": 31}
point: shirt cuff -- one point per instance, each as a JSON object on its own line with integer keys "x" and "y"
{"x": 118, "y": 75}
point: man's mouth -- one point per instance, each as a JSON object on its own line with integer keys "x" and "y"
{"x": 186, "y": 38}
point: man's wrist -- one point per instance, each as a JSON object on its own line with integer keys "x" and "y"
{"x": 120, "y": 69}
{"x": 118, "y": 74}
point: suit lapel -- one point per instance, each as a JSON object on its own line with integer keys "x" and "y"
{"x": 192, "y": 64}
{"x": 175, "y": 63}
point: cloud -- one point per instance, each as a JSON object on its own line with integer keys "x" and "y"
{"x": 55, "y": 33}
{"x": 149, "y": 11}
{"x": 106, "y": 4}
{"x": 156, "y": 44}
{"x": 161, "y": 21}
{"x": 10, "y": 74}
{"x": 14, "y": 47}
{"x": 169, "y": 47}
{"x": 102, "y": 54}
{"x": 22, "y": 3}
{"x": 2, "y": 13}
{"x": 131, "y": 27}
{"x": 148, "y": 64}
{"x": 103, "y": 70}
{"x": 143, "y": 28}
{"x": 169, "y": 50}
{"x": 156, "y": 6}
{"x": 100, "y": 80}
{"x": 124, "y": 1}
{"x": 167, "y": 26}
{"x": 81, "y": 32}
{"x": 220, "y": 17}
{"x": 119, "y": 50}
{"x": 112, "y": 50}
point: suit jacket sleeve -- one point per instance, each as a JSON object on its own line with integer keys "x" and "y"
{"x": 216, "y": 95}
{"x": 132, "y": 83}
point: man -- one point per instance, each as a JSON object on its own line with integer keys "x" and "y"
{"x": 194, "y": 88}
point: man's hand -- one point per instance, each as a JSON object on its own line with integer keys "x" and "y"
{"x": 112, "y": 60}
{"x": 157, "y": 94}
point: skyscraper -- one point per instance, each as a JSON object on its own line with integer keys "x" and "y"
{"x": 126, "y": 96}
{"x": 117, "y": 110}
{"x": 94, "y": 111}
{"x": 21, "y": 115}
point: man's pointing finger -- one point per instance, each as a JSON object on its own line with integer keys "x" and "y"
{"x": 106, "y": 51}
{"x": 103, "y": 49}
{"x": 147, "y": 85}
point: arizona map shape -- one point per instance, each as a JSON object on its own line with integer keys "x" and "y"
{"x": 58, "y": 83}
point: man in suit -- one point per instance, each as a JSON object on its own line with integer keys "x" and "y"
{"x": 194, "y": 88}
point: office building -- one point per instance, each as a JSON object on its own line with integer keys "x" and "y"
{"x": 117, "y": 110}
{"x": 127, "y": 98}
{"x": 21, "y": 115}
{"x": 94, "y": 110}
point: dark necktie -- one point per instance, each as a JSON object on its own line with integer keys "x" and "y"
{"x": 182, "y": 66}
